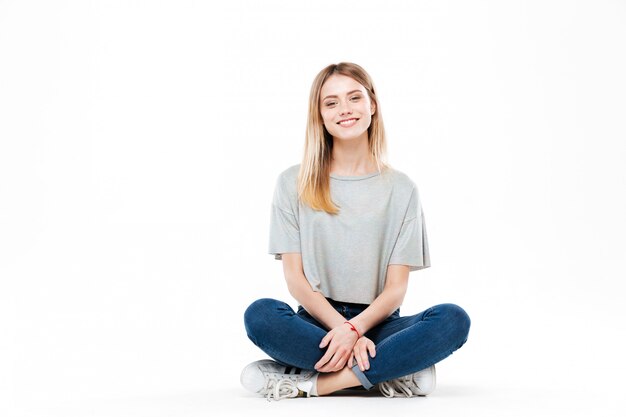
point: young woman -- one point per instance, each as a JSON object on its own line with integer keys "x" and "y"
{"x": 348, "y": 229}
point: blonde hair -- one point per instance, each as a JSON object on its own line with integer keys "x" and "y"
{"x": 314, "y": 174}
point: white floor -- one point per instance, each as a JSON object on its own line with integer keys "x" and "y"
{"x": 545, "y": 365}
{"x": 539, "y": 393}
{"x": 447, "y": 400}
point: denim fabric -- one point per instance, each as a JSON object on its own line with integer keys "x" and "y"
{"x": 404, "y": 345}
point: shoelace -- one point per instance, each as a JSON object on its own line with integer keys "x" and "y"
{"x": 281, "y": 388}
{"x": 395, "y": 386}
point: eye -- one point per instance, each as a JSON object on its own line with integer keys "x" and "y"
{"x": 355, "y": 98}
{"x": 330, "y": 103}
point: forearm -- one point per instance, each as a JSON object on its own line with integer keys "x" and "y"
{"x": 387, "y": 302}
{"x": 382, "y": 307}
{"x": 314, "y": 302}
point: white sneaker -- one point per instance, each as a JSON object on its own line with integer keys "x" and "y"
{"x": 276, "y": 381}
{"x": 420, "y": 383}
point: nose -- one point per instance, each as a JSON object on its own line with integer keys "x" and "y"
{"x": 344, "y": 108}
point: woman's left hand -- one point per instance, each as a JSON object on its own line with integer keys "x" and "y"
{"x": 359, "y": 352}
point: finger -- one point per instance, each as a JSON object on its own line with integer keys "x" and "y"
{"x": 327, "y": 368}
{"x": 324, "y": 360}
{"x": 340, "y": 365}
{"x": 359, "y": 359}
{"x": 362, "y": 356}
{"x": 364, "y": 360}
{"x": 331, "y": 366}
{"x": 372, "y": 349}
{"x": 350, "y": 361}
{"x": 337, "y": 362}
{"x": 322, "y": 363}
{"x": 325, "y": 340}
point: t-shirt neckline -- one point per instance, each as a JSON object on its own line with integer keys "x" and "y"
{"x": 354, "y": 177}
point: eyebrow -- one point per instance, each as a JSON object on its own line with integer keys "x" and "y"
{"x": 348, "y": 93}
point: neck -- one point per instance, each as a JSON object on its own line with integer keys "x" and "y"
{"x": 352, "y": 157}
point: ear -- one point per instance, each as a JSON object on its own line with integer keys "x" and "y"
{"x": 373, "y": 108}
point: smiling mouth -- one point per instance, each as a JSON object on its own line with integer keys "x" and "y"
{"x": 347, "y": 123}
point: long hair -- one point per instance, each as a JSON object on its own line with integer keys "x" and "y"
{"x": 314, "y": 174}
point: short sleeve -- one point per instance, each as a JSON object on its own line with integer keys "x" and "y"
{"x": 411, "y": 247}
{"x": 284, "y": 235}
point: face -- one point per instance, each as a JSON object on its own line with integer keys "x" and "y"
{"x": 346, "y": 108}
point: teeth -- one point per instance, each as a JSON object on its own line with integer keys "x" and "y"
{"x": 347, "y": 122}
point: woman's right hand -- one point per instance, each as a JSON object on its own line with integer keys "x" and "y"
{"x": 340, "y": 342}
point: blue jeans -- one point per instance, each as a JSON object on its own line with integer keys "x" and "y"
{"x": 404, "y": 345}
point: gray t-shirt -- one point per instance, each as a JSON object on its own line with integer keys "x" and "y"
{"x": 345, "y": 256}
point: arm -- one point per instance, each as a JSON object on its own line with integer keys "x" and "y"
{"x": 313, "y": 302}
{"x": 387, "y": 301}
{"x": 340, "y": 339}
{"x": 381, "y": 308}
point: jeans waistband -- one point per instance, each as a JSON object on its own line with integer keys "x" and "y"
{"x": 354, "y": 306}
{"x": 350, "y": 310}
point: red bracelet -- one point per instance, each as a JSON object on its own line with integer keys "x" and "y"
{"x": 353, "y": 328}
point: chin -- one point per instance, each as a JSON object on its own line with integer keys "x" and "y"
{"x": 343, "y": 135}
{"x": 347, "y": 137}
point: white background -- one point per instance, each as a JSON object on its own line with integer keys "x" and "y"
{"x": 139, "y": 146}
